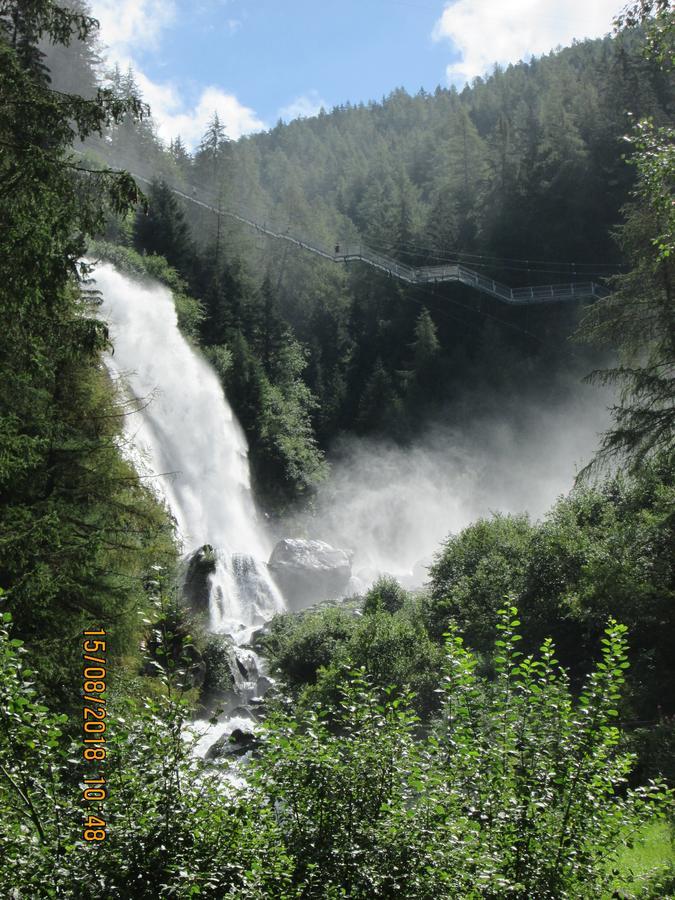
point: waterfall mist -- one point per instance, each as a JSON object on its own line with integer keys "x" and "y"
{"x": 394, "y": 505}
{"x": 186, "y": 439}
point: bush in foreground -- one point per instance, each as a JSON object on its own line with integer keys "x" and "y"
{"x": 517, "y": 791}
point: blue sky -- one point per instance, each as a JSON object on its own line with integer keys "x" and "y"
{"x": 273, "y": 52}
{"x": 258, "y": 60}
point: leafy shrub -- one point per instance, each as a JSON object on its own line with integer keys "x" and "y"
{"x": 386, "y": 594}
{"x": 517, "y": 791}
{"x": 298, "y": 646}
{"x": 218, "y": 677}
{"x": 474, "y": 571}
{"x": 394, "y": 650}
{"x": 311, "y": 651}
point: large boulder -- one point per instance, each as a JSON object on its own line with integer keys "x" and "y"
{"x": 196, "y": 586}
{"x": 309, "y": 571}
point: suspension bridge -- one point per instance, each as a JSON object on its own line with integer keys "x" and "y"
{"x": 417, "y": 275}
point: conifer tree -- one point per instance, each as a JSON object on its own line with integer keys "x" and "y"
{"x": 426, "y": 344}
{"x": 162, "y": 228}
{"x": 639, "y": 315}
{"x": 67, "y": 498}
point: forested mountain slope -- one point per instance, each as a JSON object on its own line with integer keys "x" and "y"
{"x": 520, "y": 176}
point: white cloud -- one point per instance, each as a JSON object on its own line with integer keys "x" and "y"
{"x": 173, "y": 116}
{"x": 129, "y": 26}
{"x": 484, "y": 32}
{"x": 303, "y": 107}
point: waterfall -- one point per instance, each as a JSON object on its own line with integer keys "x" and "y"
{"x": 186, "y": 439}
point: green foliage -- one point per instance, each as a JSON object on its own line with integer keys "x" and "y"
{"x": 334, "y": 792}
{"x": 161, "y": 229}
{"x": 380, "y": 402}
{"x": 395, "y": 649}
{"x": 172, "y": 830}
{"x": 220, "y": 358}
{"x": 298, "y": 646}
{"x": 311, "y": 651}
{"x": 34, "y": 787}
{"x": 517, "y": 790}
{"x": 426, "y": 346}
{"x": 78, "y": 532}
{"x": 544, "y": 775}
{"x": 276, "y": 416}
{"x": 474, "y": 571}
{"x": 386, "y": 594}
{"x": 218, "y": 677}
{"x": 602, "y": 551}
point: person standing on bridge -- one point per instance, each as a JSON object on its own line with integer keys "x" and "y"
{"x": 337, "y": 249}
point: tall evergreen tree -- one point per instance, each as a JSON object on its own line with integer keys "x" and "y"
{"x": 73, "y": 69}
{"x": 639, "y": 315}
{"x": 70, "y": 509}
{"x": 162, "y": 229}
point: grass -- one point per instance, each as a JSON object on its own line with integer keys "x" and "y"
{"x": 652, "y": 852}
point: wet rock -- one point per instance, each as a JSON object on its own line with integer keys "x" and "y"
{"x": 241, "y": 667}
{"x": 218, "y": 681}
{"x": 308, "y": 571}
{"x": 236, "y": 744}
{"x": 196, "y": 587}
{"x": 263, "y": 685}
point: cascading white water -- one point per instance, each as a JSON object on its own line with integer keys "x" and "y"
{"x": 186, "y": 435}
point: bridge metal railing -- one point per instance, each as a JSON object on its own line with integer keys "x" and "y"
{"x": 577, "y": 290}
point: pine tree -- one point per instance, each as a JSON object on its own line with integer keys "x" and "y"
{"x": 180, "y": 155}
{"x": 214, "y": 138}
{"x": 210, "y": 156}
{"x": 426, "y": 345}
{"x": 379, "y": 402}
{"x": 68, "y": 502}
{"x": 639, "y": 315}
{"x": 162, "y": 228}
